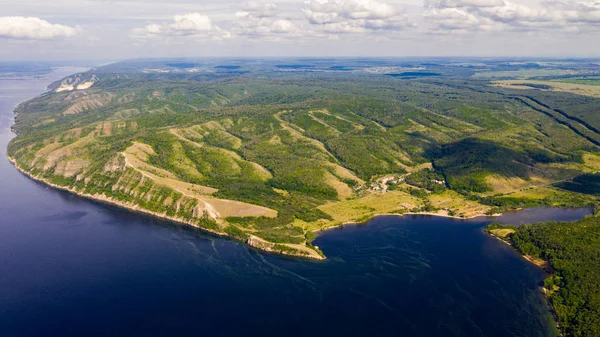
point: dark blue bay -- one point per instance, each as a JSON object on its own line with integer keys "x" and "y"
{"x": 73, "y": 267}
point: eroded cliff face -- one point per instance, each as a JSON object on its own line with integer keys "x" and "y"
{"x": 75, "y": 82}
{"x": 203, "y": 216}
{"x": 75, "y": 160}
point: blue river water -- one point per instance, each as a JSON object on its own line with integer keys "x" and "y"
{"x": 73, "y": 267}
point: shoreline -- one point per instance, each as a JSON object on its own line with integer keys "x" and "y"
{"x": 260, "y": 244}
{"x": 542, "y": 264}
{"x": 400, "y": 215}
{"x": 252, "y": 241}
{"x": 548, "y": 270}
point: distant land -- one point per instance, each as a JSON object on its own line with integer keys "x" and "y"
{"x": 270, "y": 152}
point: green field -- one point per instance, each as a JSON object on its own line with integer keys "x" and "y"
{"x": 522, "y": 73}
{"x": 591, "y": 80}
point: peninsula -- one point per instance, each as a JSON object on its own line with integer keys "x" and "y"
{"x": 271, "y": 153}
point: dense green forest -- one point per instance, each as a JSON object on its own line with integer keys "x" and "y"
{"x": 586, "y": 183}
{"x": 573, "y": 251}
{"x": 277, "y": 152}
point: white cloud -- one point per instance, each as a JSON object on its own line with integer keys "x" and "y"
{"x": 282, "y": 26}
{"x": 300, "y": 27}
{"x": 19, "y": 27}
{"x": 498, "y": 15}
{"x": 521, "y": 15}
{"x": 263, "y": 27}
{"x": 576, "y": 11}
{"x": 463, "y": 3}
{"x": 260, "y": 9}
{"x": 261, "y": 20}
{"x": 353, "y": 16}
{"x": 457, "y": 20}
{"x": 192, "y": 24}
{"x": 332, "y": 11}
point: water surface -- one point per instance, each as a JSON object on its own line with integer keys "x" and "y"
{"x": 74, "y": 267}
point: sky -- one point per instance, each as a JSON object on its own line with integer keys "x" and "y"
{"x": 122, "y": 29}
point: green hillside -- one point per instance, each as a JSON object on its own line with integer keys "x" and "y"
{"x": 270, "y": 157}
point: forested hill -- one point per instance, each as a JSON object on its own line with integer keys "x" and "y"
{"x": 272, "y": 150}
{"x": 573, "y": 252}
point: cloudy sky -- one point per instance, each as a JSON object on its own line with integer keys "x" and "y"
{"x": 120, "y": 29}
